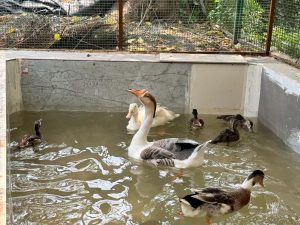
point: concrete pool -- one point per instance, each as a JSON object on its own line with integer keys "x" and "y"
{"x": 214, "y": 84}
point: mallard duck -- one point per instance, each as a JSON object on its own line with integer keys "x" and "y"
{"x": 32, "y": 140}
{"x": 136, "y": 114}
{"x": 211, "y": 202}
{"x": 174, "y": 152}
{"x": 195, "y": 122}
{"x": 228, "y": 135}
{"x": 245, "y": 123}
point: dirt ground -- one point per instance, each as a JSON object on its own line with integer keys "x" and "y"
{"x": 47, "y": 32}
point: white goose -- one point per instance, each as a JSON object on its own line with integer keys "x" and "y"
{"x": 175, "y": 152}
{"x": 136, "y": 116}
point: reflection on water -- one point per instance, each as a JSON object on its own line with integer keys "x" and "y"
{"x": 82, "y": 175}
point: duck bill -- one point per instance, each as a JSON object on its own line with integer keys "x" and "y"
{"x": 137, "y": 92}
{"x": 128, "y": 116}
{"x": 262, "y": 184}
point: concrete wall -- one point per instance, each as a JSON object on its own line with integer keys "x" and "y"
{"x": 13, "y": 83}
{"x": 279, "y": 106}
{"x": 3, "y": 139}
{"x": 101, "y": 86}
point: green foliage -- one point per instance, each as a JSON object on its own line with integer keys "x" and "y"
{"x": 253, "y": 13}
{"x": 255, "y": 18}
{"x": 287, "y": 14}
{"x": 287, "y": 41}
{"x": 190, "y": 11}
{"x": 254, "y": 22}
{"x": 223, "y": 14}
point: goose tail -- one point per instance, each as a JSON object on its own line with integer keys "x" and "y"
{"x": 203, "y": 145}
{"x": 195, "y": 159}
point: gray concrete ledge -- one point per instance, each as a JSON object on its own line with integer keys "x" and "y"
{"x": 125, "y": 57}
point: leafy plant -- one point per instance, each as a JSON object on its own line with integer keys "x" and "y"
{"x": 287, "y": 41}
{"x": 254, "y": 22}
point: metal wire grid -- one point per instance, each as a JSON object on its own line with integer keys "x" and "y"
{"x": 255, "y": 23}
{"x": 50, "y": 24}
{"x": 149, "y": 25}
{"x": 286, "y": 29}
{"x": 197, "y": 26}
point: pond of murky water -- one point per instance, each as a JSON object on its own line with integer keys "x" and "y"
{"x": 82, "y": 174}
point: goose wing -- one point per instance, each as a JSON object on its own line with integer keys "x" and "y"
{"x": 176, "y": 144}
{"x": 182, "y": 148}
{"x": 154, "y": 152}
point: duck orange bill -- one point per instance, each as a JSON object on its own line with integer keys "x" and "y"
{"x": 138, "y": 92}
{"x": 128, "y": 116}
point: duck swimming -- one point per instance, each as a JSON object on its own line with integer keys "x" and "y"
{"x": 32, "y": 140}
{"x": 195, "y": 122}
{"x": 136, "y": 114}
{"x": 174, "y": 152}
{"x": 245, "y": 123}
{"x": 211, "y": 202}
{"x": 228, "y": 135}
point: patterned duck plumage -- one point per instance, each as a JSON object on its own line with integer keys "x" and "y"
{"x": 32, "y": 140}
{"x": 211, "y": 202}
{"x": 195, "y": 122}
{"x": 228, "y": 135}
{"x": 244, "y": 123}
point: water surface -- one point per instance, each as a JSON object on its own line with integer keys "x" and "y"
{"x": 82, "y": 175}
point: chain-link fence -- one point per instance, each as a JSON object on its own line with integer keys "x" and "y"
{"x": 239, "y": 26}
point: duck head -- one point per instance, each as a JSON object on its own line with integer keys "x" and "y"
{"x": 249, "y": 125}
{"x": 145, "y": 97}
{"x": 38, "y": 123}
{"x": 132, "y": 111}
{"x": 195, "y": 113}
{"x": 255, "y": 178}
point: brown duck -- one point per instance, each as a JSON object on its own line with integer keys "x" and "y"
{"x": 32, "y": 140}
{"x": 195, "y": 123}
{"x": 228, "y": 135}
{"x": 211, "y": 202}
{"x": 244, "y": 123}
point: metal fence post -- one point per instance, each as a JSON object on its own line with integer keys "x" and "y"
{"x": 121, "y": 31}
{"x": 270, "y": 28}
{"x": 238, "y": 21}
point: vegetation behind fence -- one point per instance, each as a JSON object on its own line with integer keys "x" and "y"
{"x": 150, "y": 25}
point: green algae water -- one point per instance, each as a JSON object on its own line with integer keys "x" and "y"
{"x": 82, "y": 174}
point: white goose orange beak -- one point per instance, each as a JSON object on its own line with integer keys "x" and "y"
{"x": 138, "y": 92}
{"x": 128, "y": 116}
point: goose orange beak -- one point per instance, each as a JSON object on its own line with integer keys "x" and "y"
{"x": 128, "y": 116}
{"x": 138, "y": 92}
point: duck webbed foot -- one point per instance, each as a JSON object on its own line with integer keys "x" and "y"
{"x": 207, "y": 220}
{"x": 154, "y": 162}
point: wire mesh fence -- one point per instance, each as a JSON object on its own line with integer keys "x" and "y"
{"x": 148, "y": 25}
{"x": 68, "y": 24}
{"x": 286, "y": 29}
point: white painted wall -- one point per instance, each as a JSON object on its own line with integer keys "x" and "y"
{"x": 218, "y": 88}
